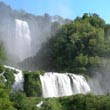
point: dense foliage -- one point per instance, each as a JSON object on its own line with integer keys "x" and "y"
{"x": 16, "y": 100}
{"x": 75, "y": 102}
{"x": 76, "y": 47}
{"x": 32, "y": 84}
{"x": 78, "y": 102}
{"x": 7, "y": 76}
{"x": 6, "y": 81}
{"x": 21, "y": 102}
{"x": 5, "y": 103}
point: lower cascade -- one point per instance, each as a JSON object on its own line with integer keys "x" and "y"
{"x": 57, "y": 85}
{"x": 54, "y": 84}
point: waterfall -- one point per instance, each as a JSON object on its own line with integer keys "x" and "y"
{"x": 19, "y": 79}
{"x": 56, "y": 85}
{"x": 17, "y": 40}
{"x": 22, "y": 40}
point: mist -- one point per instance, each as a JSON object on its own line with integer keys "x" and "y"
{"x": 100, "y": 79}
{"x": 23, "y": 34}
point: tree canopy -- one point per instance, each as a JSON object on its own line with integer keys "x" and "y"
{"x": 77, "y": 46}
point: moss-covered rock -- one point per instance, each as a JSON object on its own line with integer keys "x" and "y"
{"x": 8, "y": 75}
{"x": 32, "y": 84}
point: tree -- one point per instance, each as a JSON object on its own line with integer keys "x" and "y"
{"x": 76, "y": 43}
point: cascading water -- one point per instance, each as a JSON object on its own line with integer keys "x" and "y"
{"x": 19, "y": 79}
{"x": 56, "y": 85}
{"x": 22, "y": 40}
{"x": 17, "y": 40}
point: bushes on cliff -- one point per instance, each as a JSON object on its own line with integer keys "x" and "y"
{"x": 77, "y": 46}
{"x": 32, "y": 84}
{"x": 78, "y": 102}
{"x": 21, "y": 102}
{"x": 8, "y": 76}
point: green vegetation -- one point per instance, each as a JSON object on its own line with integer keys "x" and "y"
{"x": 78, "y": 102}
{"x": 5, "y": 103}
{"x": 86, "y": 102}
{"x": 21, "y": 102}
{"x": 75, "y": 102}
{"x": 78, "y": 46}
{"x": 2, "y": 54}
{"x": 8, "y": 76}
{"x": 32, "y": 84}
{"x": 16, "y": 100}
{"x": 52, "y": 104}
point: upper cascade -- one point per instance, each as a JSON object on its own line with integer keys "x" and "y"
{"x": 57, "y": 85}
{"x": 22, "y": 39}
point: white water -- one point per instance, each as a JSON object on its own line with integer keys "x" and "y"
{"x": 2, "y": 75}
{"x": 22, "y": 40}
{"x": 19, "y": 79}
{"x": 56, "y": 85}
{"x": 39, "y": 104}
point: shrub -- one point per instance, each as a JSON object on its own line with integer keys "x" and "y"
{"x": 32, "y": 84}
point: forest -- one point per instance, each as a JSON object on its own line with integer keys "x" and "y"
{"x": 80, "y": 46}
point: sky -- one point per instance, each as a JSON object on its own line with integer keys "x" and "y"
{"x": 65, "y": 8}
